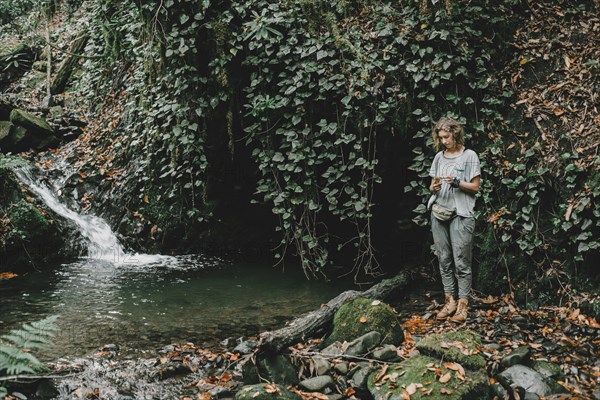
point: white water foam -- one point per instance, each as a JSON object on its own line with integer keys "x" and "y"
{"x": 102, "y": 243}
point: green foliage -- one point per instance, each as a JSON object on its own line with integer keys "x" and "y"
{"x": 21, "y": 16}
{"x": 538, "y": 227}
{"x": 317, "y": 98}
{"x": 13, "y": 10}
{"x": 15, "y": 347}
{"x": 26, "y": 221}
{"x": 314, "y": 85}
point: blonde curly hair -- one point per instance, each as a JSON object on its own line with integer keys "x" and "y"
{"x": 449, "y": 125}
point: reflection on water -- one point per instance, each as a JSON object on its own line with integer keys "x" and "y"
{"x": 157, "y": 300}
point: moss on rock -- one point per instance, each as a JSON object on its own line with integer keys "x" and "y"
{"x": 30, "y": 121}
{"x": 26, "y": 221}
{"x": 425, "y": 372}
{"x": 265, "y": 392}
{"x": 458, "y": 346}
{"x": 5, "y": 128}
{"x": 361, "y": 316}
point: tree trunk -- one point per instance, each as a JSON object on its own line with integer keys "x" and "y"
{"x": 64, "y": 72}
{"x": 311, "y": 323}
{"x": 49, "y": 60}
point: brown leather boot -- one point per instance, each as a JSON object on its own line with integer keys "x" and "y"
{"x": 461, "y": 313}
{"x": 449, "y": 307}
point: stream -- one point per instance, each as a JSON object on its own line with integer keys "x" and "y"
{"x": 141, "y": 302}
{"x": 141, "y": 307}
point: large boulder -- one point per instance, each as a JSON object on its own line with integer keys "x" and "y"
{"x": 361, "y": 316}
{"x": 40, "y": 134}
{"x": 12, "y": 137}
{"x": 31, "y": 122}
{"x": 423, "y": 377}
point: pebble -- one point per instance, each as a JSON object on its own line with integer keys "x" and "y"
{"x": 363, "y": 344}
{"x": 341, "y": 368}
{"x": 386, "y": 353}
{"x": 317, "y": 384}
{"x": 518, "y": 356}
{"x": 322, "y": 366}
{"x": 332, "y": 350}
{"x": 360, "y": 377}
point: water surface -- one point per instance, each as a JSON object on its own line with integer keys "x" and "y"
{"x": 144, "y": 306}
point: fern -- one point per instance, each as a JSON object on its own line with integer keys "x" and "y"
{"x": 15, "y": 356}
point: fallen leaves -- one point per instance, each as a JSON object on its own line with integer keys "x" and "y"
{"x": 463, "y": 348}
{"x": 311, "y": 395}
{"x": 7, "y": 275}
{"x": 381, "y": 373}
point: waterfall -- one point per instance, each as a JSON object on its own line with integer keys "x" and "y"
{"x": 102, "y": 242}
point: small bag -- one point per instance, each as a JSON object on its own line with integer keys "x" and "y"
{"x": 442, "y": 213}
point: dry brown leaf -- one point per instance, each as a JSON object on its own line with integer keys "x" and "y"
{"x": 363, "y": 319}
{"x": 445, "y": 378}
{"x": 381, "y": 373}
{"x": 204, "y": 396}
{"x": 575, "y": 314}
{"x": 270, "y": 388}
{"x": 411, "y": 389}
{"x": 445, "y": 391}
{"x": 7, "y": 275}
{"x": 455, "y": 367}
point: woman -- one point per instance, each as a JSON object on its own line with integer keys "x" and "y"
{"x": 454, "y": 182}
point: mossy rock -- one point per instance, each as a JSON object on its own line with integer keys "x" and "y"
{"x": 10, "y": 190}
{"x": 265, "y": 392}
{"x": 547, "y": 369}
{"x": 360, "y": 316}
{"x": 5, "y": 128}
{"x": 27, "y": 222}
{"x": 11, "y": 136}
{"x": 31, "y": 122}
{"x": 458, "y": 346}
{"x": 426, "y": 371}
{"x": 275, "y": 368}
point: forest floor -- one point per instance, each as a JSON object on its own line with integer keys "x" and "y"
{"x": 559, "y": 334}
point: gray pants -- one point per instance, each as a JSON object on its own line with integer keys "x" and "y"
{"x": 453, "y": 241}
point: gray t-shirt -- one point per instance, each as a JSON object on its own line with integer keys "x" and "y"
{"x": 465, "y": 166}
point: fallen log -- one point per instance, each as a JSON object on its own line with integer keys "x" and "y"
{"x": 66, "y": 69}
{"x": 311, "y": 323}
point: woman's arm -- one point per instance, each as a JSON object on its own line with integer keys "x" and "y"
{"x": 469, "y": 187}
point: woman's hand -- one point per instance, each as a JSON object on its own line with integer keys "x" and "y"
{"x": 448, "y": 179}
{"x": 436, "y": 184}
